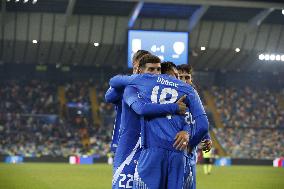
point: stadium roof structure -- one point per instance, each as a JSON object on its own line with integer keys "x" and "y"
{"x": 218, "y": 25}
{"x": 228, "y": 10}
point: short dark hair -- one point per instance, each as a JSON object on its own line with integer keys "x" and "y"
{"x": 148, "y": 58}
{"x": 138, "y": 55}
{"x": 185, "y": 68}
{"x": 167, "y": 66}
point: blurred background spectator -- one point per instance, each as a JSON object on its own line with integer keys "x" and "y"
{"x": 32, "y": 125}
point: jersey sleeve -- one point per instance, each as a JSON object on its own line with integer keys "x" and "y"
{"x": 207, "y": 136}
{"x": 198, "y": 114}
{"x": 201, "y": 129}
{"x": 121, "y": 81}
{"x": 115, "y": 137}
{"x": 186, "y": 128}
{"x": 113, "y": 95}
{"x": 139, "y": 105}
{"x": 194, "y": 103}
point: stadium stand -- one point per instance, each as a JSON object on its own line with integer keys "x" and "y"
{"x": 253, "y": 120}
{"x": 251, "y": 143}
{"x": 248, "y": 108}
{"x": 30, "y": 124}
{"x": 31, "y": 97}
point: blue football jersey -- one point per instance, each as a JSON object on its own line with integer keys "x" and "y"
{"x": 115, "y": 97}
{"x": 128, "y": 150}
{"x": 128, "y": 135}
{"x": 190, "y": 121}
{"x": 162, "y": 89}
{"x": 116, "y": 127}
{"x": 130, "y": 125}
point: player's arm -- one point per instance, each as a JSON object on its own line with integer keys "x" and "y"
{"x": 115, "y": 138}
{"x": 201, "y": 122}
{"x": 140, "y": 107}
{"x": 121, "y": 81}
{"x": 117, "y": 85}
{"x": 207, "y": 136}
{"x": 113, "y": 95}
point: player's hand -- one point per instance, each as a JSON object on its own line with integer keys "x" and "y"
{"x": 181, "y": 140}
{"x": 206, "y": 145}
{"x": 181, "y": 105}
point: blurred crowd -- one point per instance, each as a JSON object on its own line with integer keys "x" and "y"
{"x": 77, "y": 91}
{"x": 253, "y": 122}
{"x": 32, "y": 125}
{"x": 248, "y": 108}
{"x": 255, "y": 143}
{"x": 31, "y": 97}
{"x": 32, "y": 137}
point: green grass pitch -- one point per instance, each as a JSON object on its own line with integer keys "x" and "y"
{"x": 98, "y": 176}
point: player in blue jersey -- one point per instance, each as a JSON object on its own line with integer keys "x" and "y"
{"x": 185, "y": 74}
{"x": 115, "y": 97}
{"x": 161, "y": 165}
{"x": 128, "y": 150}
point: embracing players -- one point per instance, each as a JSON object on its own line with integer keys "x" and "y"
{"x": 127, "y": 131}
{"x": 161, "y": 164}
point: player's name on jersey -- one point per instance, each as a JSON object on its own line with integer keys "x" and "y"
{"x": 167, "y": 82}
